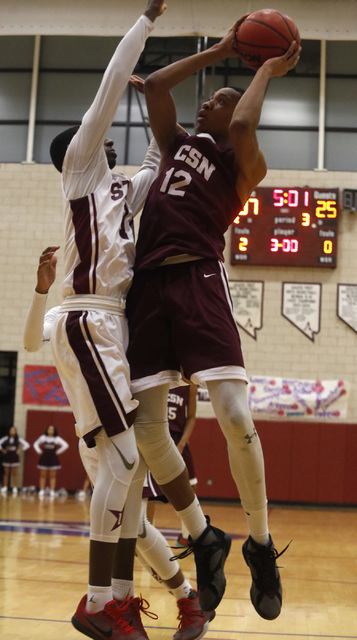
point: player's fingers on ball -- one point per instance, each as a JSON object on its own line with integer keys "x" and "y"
{"x": 294, "y": 58}
{"x": 239, "y": 22}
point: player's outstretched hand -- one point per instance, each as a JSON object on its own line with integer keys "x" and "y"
{"x": 46, "y": 272}
{"x": 228, "y": 42}
{"x": 154, "y": 9}
{"x": 137, "y": 83}
{"x": 278, "y": 67}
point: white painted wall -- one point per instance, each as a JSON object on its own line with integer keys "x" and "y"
{"x": 316, "y": 19}
{"x": 31, "y": 219}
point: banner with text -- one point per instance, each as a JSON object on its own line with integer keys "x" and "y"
{"x": 247, "y": 298}
{"x": 273, "y": 398}
{"x": 301, "y": 305}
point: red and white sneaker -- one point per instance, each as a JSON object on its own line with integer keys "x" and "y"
{"x": 181, "y": 541}
{"x": 108, "y": 623}
{"x": 193, "y": 621}
{"x": 130, "y": 609}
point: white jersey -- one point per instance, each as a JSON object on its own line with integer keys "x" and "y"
{"x": 99, "y": 249}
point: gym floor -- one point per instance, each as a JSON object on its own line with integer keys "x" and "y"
{"x": 44, "y": 561}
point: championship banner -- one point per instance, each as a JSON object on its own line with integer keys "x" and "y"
{"x": 283, "y": 398}
{"x": 291, "y": 398}
{"x": 43, "y": 386}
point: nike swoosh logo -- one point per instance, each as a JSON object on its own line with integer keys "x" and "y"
{"x": 208, "y": 275}
{"x": 104, "y": 628}
{"x": 128, "y": 465}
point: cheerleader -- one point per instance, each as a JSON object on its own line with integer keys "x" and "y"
{"x": 10, "y": 446}
{"x": 49, "y": 446}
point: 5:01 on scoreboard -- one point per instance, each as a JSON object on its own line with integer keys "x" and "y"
{"x": 287, "y": 227}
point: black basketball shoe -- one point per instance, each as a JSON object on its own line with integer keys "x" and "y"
{"x": 266, "y": 592}
{"x": 210, "y": 550}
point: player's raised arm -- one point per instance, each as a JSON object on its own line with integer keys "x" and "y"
{"x": 86, "y": 152}
{"x": 46, "y": 272}
{"x": 155, "y": 9}
{"x": 250, "y": 162}
{"x": 158, "y": 85}
{"x": 34, "y": 324}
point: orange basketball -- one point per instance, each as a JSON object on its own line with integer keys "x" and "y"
{"x": 265, "y": 34}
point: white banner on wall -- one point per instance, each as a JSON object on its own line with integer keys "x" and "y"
{"x": 247, "y": 298}
{"x": 301, "y": 305}
{"x": 288, "y": 398}
{"x": 347, "y": 304}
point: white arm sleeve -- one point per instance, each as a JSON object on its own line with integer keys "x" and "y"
{"x": 36, "y": 445}
{"x": 48, "y": 322}
{"x": 142, "y": 181}
{"x": 38, "y": 325}
{"x": 85, "y": 164}
{"x": 33, "y": 331}
{"x": 24, "y": 445}
{"x": 63, "y": 445}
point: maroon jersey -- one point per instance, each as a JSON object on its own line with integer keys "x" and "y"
{"x": 177, "y": 404}
{"x": 190, "y": 205}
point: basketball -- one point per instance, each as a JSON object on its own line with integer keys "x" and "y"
{"x": 265, "y": 34}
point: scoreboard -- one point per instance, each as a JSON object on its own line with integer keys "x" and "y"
{"x": 287, "y": 227}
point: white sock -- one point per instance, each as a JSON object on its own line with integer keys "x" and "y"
{"x": 122, "y": 589}
{"x": 182, "y": 591}
{"x": 194, "y": 519}
{"x": 184, "y": 531}
{"x": 258, "y": 525}
{"x": 97, "y": 598}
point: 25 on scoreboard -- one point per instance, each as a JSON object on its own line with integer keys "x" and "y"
{"x": 287, "y": 227}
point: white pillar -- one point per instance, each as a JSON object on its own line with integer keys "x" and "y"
{"x": 322, "y": 110}
{"x": 33, "y": 100}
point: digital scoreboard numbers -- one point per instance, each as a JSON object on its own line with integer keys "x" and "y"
{"x": 287, "y": 228}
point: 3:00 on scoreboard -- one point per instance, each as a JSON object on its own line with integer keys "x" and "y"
{"x": 287, "y": 227}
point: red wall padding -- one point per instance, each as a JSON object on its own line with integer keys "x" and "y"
{"x": 72, "y": 474}
{"x": 307, "y": 462}
{"x": 311, "y": 462}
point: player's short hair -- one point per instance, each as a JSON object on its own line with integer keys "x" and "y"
{"x": 59, "y": 146}
{"x": 237, "y": 89}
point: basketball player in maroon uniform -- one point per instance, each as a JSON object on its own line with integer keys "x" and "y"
{"x": 179, "y": 308}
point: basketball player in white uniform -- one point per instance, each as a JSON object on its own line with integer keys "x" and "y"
{"x": 89, "y": 335}
{"x": 152, "y": 549}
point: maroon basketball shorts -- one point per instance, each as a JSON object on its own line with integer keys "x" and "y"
{"x": 181, "y": 315}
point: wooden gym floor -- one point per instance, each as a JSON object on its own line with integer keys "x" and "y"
{"x": 43, "y": 572}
